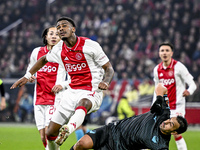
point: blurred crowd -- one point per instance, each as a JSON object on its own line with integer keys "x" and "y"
{"x": 128, "y": 30}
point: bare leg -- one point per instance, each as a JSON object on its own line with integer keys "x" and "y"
{"x": 84, "y": 143}
{"x": 52, "y": 133}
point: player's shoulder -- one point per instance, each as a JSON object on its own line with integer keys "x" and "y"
{"x": 180, "y": 65}
{"x": 37, "y": 49}
{"x": 90, "y": 42}
{"x": 58, "y": 46}
{"x": 156, "y": 67}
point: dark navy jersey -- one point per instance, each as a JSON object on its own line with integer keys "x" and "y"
{"x": 134, "y": 133}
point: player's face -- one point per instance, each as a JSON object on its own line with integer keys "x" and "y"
{"x": 65, "y": 29}
{"x": 52, "y": 36}
{"x": 165, "y": 53}
{"x": 169, "y": 126}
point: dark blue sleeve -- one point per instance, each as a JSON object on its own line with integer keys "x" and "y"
{"x": 160, "y": 105}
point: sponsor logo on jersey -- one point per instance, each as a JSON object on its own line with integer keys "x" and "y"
{"x": 75, "y": 67}
{"x": 46, "y": 68}
{"x": 93, "y": 131}
{"x": 78, "y": 56}
{"x": 167, "y": 81}
{"x": 161, "y": 74}
{"x": 66, "y": 58}
{"x": 155, "y": 139}
{"x": 102, "y": 57}
{"x": 155, "y": 118}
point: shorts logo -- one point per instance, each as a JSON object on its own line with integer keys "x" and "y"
{"x": 78, "y": 56}
{"x": 73, "y": 124}
{"x": 92, "y": 94}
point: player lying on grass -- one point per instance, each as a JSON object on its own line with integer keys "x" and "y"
{"x": 151, "y": 130}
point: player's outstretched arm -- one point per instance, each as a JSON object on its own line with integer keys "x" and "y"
{"x": 109, "y": 73}
{"x": 157, "y": 107}
{"x": 39, "y": 64}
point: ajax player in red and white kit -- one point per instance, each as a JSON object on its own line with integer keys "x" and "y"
{"x": 45, "y": 101}
{"x": 174, "y": 75}
{"x": 89, "y": 72}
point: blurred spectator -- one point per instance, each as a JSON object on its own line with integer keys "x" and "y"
{"x": 145, "y": 88}
{"x": 130, "y": 30}
{"x": 124, "y": 109}
{"x": 24, "y": 106}
{"x": 3, "y": 99}
{"x": 132, "y": 95}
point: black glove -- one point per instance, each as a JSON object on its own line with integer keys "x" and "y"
{"x": 157, "y": 105}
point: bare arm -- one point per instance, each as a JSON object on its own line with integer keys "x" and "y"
{"x": 39, "y": 64}
{"x": 109, "y": 73}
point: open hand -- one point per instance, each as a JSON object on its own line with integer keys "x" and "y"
{"x": 186, "y": 93}
{"x": 19, "y": 83}
{"x": 56, "y": 88}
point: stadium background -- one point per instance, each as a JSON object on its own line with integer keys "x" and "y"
{"x": 128, "y": 30}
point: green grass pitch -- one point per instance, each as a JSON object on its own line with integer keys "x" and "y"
{"x": 26, "y": 137}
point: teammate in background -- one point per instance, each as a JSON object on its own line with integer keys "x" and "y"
{"x": 89, "y": 72}
{"x": 174, "y": 75}
{"x": 3, "y": 99}
{"x": 45, "y": 101}
{"x": 151, "y": 130}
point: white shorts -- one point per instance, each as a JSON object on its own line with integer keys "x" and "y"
{"x": 70, "y": 101}
{"x": 180, "y": 110}
{"x": 43, "y": 114}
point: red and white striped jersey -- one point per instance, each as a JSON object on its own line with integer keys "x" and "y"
{"x": 49, "y": 75}
{"x": 83, "y": 62}
{"x": 174, "y": 77}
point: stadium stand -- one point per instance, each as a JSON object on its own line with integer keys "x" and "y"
{"x": 128, "y": 30}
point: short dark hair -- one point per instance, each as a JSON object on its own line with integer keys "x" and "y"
{"x": 167, "y": 44}
{"x": 44, "y": 33}
{"x": 68, "y": 19}
{"x": 183, "y": 124}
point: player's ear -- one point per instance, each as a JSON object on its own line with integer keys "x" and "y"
{"x": 73, "y": 30}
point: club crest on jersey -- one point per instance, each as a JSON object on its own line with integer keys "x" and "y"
{"x": 78, "y": 56}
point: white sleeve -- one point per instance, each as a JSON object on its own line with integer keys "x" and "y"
{"x": 188, "y": 78}
{"x": 99, "y": 55}
{"x": 155, "y": 75}
{"x": 33, "y": 58}
{"x": 65, "y": 84}
{"x": 54, "y": 55}
{"x": 156, "y": 81}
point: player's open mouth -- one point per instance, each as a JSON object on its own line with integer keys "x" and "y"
{"x": 62, "y": 34}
